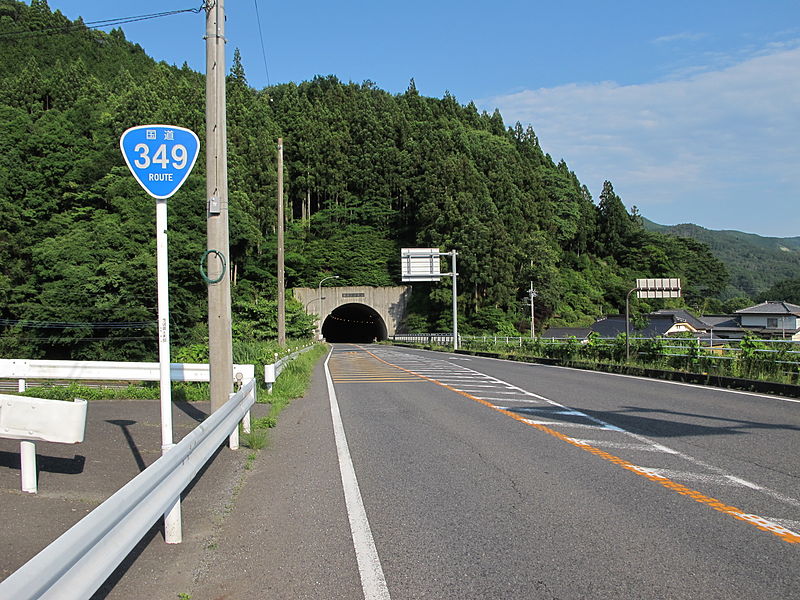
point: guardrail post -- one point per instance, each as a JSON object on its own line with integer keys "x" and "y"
{"x": 246, "y": 418}
{"x": 21, "y": 385}
{"x": 27, "y": 459}
{"x": 233, "y": 440}
{"x": 269, "y": 376}
{"x": 173, "y": 529}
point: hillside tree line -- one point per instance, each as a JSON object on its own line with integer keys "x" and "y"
{"x": 367, "y": 172}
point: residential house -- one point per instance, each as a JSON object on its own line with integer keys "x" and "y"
{"x": 659, "y": 323}
{"x": 772, "y": 319}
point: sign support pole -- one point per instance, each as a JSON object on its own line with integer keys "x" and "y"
{"x": 455, "y": 302}
{"x": 172, "y": 518}
{"x": 628, "y": 324}
{"x": 160, "y": 158}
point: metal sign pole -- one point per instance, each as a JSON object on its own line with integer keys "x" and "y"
{"x": 160, "y": 158}
{"x": 455, "y": 302}
{"x": 172, "y": 518}
{"x": 628, "y": 325}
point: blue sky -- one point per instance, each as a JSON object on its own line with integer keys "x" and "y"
{"x": 691, "y": 109}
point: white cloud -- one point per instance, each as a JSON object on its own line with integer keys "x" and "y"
{"x": 685, "y": 36}
{"x": 718, "y": 148}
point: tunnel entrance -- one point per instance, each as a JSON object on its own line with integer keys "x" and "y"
{"x": 354, "y": 323}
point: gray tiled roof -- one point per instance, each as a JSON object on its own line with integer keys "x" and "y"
{"x": 682, "y": 316}
{"x": 717, "y": 321}
{"x": 612, "y": 326}
{"x": 771, "y": 308}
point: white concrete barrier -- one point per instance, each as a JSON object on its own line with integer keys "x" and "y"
{"x": 37, "y": 419}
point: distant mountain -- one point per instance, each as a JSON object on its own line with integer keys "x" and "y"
{"x": 754, "y": 262}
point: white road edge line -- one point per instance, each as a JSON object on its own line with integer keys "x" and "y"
{"x": 373, "y": 582}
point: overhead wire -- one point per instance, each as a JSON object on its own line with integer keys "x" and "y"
{"x": 97, "y": 24}
{"x": 261, "y": 37}
{"x": 80, "y": 339}
{"x": 78, "y": 324}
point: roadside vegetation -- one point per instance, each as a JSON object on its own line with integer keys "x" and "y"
{"x": 750, "y": 358}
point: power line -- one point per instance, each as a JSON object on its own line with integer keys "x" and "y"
{"x": 97, "y": 24}
{"x": 72, "y": 340}
{"x": 261, "y": 37}
{"x": 69, "y": 325}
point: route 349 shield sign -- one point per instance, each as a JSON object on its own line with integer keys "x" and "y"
{"x": 160, "y": 157}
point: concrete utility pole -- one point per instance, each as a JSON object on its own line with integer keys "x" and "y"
{"x": 281, "y": 282}
{"x": 220, "y": 345}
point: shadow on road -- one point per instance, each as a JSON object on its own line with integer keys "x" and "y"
{"x": 652, "y": 425}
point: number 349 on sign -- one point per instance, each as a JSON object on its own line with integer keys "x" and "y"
{"x": 160, "y": 156}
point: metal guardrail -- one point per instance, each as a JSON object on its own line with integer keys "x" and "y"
{"x": 429, "y": 338}
{"x": 76, "y": 564}
{"x": 273, "y": 371}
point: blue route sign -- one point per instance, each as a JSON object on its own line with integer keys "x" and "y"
{"x": 160, "y": 157}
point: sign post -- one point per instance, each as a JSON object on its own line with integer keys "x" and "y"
{"x": 161, "y": 158}
{"x": 649, "y": 288}
{"x": 422, "y": 264}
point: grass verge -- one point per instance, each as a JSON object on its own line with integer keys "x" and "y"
{"x": 292, "y": 384}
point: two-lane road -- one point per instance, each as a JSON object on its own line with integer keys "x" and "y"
{"x": 479, "y": 478}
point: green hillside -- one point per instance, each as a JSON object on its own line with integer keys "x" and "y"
{"x": 367, "y": 172}
{"x": 755, "y": 263}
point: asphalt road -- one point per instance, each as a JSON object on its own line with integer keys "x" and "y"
{"x": 411, "y": 474}
{"x": 491, "y": 479}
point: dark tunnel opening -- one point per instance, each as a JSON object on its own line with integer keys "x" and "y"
{"x": 354, "y": 323}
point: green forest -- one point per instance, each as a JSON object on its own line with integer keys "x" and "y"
{"x": 367, "y": 172}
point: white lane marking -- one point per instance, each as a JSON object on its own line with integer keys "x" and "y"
{"x": 788, "y": 523}
{"x": 650, "y": 379}
{"x": 507, "y": 399}
{"x": 464, "y": 378}
{"x": 559, "y": 424}
{"x": 744, "y": 482}
{"x": 767, "y": 524}
{"x": 373, "y": 582}
{"x": 548, "y": 411}
{"x": 625, "y": 445}
{"x": 675, "y": 475}
{"x": 717, "y": 470}
{"x": 517, "y": 392}
{"x": 477, "y": 386}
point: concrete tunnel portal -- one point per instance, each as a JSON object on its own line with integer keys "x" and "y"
{"x": 354, "y": 322}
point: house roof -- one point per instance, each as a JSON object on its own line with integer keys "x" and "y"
{"x": 613, "y": 326}
{"x": 771, "y": 307}
{"x": 721, "y": 322}
{"x": 565, "y": 332}
{"x": 681, "y": 315}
